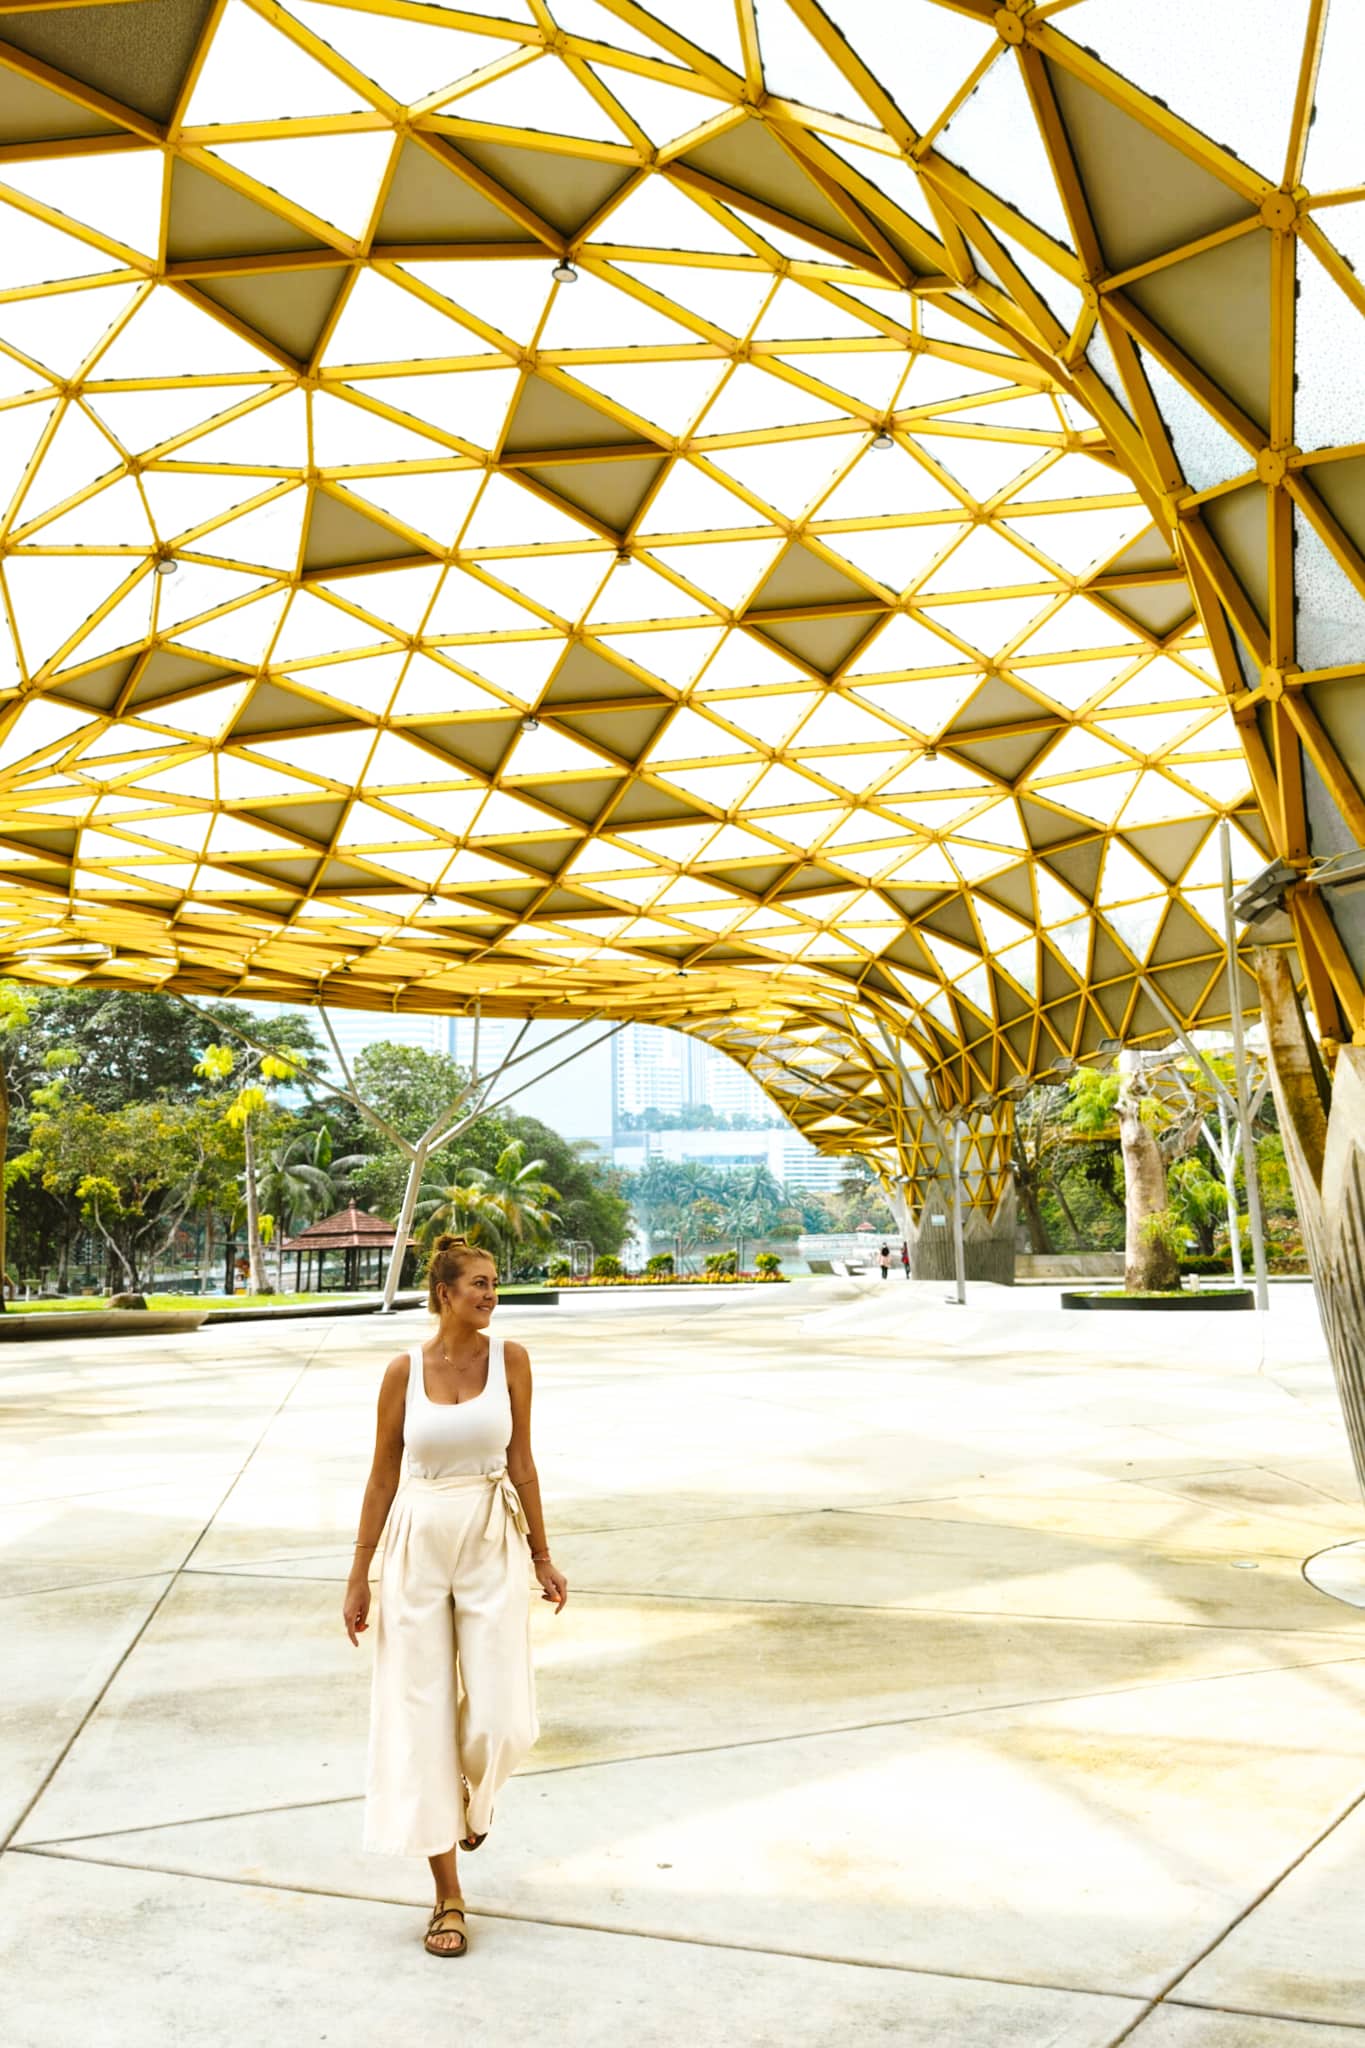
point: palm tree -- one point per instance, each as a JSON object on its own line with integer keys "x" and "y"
{"x": 743, "y": 1217}
{"x": 501, "y": 1206}
{"x": 298, "y": 1183}
{"x": 693, "y": 1180}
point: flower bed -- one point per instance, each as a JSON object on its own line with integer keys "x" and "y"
{"x": 677, "y": 1280}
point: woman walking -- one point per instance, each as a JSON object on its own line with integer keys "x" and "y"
{"x": 452, "y": 1706}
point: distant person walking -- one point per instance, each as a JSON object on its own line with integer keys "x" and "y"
{"x": 884, "y": 1258}
{"x": 905, "y": 1258}
{"x": 452, "y": 1706}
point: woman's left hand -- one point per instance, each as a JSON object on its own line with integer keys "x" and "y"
{"x": 553, "y": 1584}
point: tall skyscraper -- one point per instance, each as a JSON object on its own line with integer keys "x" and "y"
{"x": 653, "y": 1068}
{"x": 648, "y": 1069}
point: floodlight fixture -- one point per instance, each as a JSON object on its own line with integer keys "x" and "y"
{"x": 530, "y": 723}
{"x": 431, "y": 901}
{"x": 1264, "y": 894}
{"x": 929, "y": 753}
{"x": 882, "y": 441}
{"x": 564, "y": 272}
{"x": 1344, "y": 870}
{"x": 167, "y": 565}
{"x": 1111, "y": 1044}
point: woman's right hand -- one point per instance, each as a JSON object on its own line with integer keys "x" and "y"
{"x": 355, "y": 1608}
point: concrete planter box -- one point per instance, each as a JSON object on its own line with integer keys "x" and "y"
{"x": 1068, "y": 1265}
{"x": 1220, "y": 1301}
{"x": 97, "y": 1322}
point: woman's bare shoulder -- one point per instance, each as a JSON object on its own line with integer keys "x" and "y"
{"x": 396, "y": 1372}
{"x": 516, "y": 1356}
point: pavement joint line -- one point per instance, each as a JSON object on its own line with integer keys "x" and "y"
{"x": 598, "y": 1927}
{"x": 1114, "y": 1547}
{"x": 172, "y": 1581}
{"x": 38, "y": 1500}
{"x": 1092, "y": 1621}
{"x": 971, "y": 1613}
{"x": 1163, "y": 1997}
{"x": 1127, "y": 2032}
{"x": 1254, "y": 2012}
{"x": 198, "y": 1820}
{"x": 88, "y": 1585}
{"x": 1275, "y": 1473}
{"x": 651, "y": 1756}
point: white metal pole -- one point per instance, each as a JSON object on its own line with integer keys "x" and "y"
{"x": 1227, "y": 1160}
{"x": 1240, "y": 1061}
{"x": 403, "y": 1229}
{"x": 959, "y": 1254}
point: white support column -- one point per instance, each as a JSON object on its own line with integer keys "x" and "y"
{"x": 959, "y": 1250}
{"x": 1227, "y": 1161}
{"x": 417, "y": 1165}
{"x": 1239, "y": 1055}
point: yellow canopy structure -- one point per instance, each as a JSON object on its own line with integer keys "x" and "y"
{"x": 789, "y": 521}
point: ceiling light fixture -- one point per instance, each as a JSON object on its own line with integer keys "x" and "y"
{"x": 624, "y": 558}
{"x": 564, "y": 272}
{"x": 166, "y": 565}
{"x": 530, "y": 723}
{"x": 429, "y": 902}
{"x": 929, "y": 754}
{"x": 882, "y": 441}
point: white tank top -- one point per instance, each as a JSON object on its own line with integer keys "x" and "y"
{"x": 448, "y": 1439}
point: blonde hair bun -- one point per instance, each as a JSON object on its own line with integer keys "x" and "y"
{"x": 449, "y": 1256}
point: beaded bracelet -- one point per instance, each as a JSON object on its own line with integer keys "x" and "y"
{"x": 540, "y": 1557}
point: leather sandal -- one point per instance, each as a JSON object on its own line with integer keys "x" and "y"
{"x": 446, "y": 1910}
{"x": 471, "y": 1842}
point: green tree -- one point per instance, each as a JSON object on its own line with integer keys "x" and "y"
{"x": 133, "y": 1171}
{"x": 134, "y": 1045}
{"x": 298, "y": 1184}
{"x": 15, "y": 1008}
{"x": 410, "y": 1089}
{"x": 255, "y": 1075}
{"x": 1158, "y": 1107}
{"x": 750, "y": 1202}
{"x": 500, "y": 1206}
{"x": 592, "y": 1204}
{"x": 1198, "y": 1200}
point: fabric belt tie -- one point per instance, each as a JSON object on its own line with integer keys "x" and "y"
{"x": 501, "y": 1491}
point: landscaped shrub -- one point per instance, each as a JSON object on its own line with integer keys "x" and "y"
{"x": 601, "y": 1278}
{"x": 607, "y": 1267}
{"x": 660, "y": 1266}
{"x": 768, "y": 1266}
{"x": 722, "y": 1262}
{"x": 1206, "y": 1266}
{"x": 560, "y": 1269}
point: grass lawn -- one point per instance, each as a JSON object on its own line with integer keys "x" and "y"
{"x": 75, "y": 1304}
{"x": 72, "y": 1304}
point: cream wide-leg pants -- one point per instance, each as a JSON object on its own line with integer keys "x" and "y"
{"x": 452, "y": 1703}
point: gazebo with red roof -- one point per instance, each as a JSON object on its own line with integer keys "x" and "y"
{"x": 353, "y": 1232}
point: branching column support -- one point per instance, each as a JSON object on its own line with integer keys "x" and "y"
{"x": 1322, "y": 1124}
{"x": 465, "y": 1108}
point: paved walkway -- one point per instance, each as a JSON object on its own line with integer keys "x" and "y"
{"x": 930, "y": 1676}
